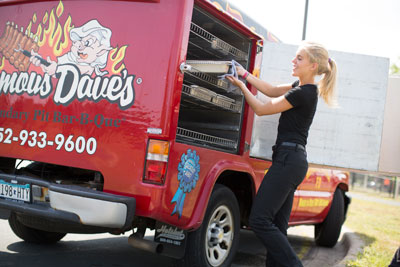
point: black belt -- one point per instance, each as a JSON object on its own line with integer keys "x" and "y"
{"x": 294, "y": 146}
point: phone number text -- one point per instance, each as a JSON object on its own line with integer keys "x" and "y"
{"x": 34, "y": 139}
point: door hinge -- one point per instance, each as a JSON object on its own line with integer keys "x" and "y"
{"x": 246, "y": 146}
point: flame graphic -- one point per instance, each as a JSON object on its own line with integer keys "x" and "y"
{"x": 217, "y": 5}
{"x": 55, "y": 34}
{"x": 235, "y": 13}
{"x": 2, "y": 63}
{"x": 60, "y": 9}
{"x": 115, "y": 60}
{"x": 45, "y": 18}
{"x": 50, "y": 34}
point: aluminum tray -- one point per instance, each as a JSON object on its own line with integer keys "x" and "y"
{"x": 208, "y": 99}
{"x": 210, "y": 66}
{"x": 199, "y": 92}
{"x": 226, "y": 102}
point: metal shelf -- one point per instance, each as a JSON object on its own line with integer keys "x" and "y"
{"x": 201, "y": 78}
{"x": 205, "y": 139}
{"x": 207, "y": 98}
{"x": 219, "y": 47}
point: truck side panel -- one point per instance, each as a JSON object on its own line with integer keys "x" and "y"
{"x": 96, "y": 118}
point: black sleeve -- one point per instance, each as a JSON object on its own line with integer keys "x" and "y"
{"x": 295, "y": 83}
{"x": 295, "y": 96}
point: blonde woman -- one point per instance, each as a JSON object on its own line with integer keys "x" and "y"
{"x": 297, "y": 104}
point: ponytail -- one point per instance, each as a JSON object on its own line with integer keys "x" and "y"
{"x": 327, "y": 84}
{"x": 326, "y": 67}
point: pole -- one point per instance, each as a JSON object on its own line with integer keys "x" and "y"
{"x": 305, "y": 20}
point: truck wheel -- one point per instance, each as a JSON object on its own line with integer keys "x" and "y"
{"x": 32, "y": 235}
{"x": 327, "y": 233}
{"x": 216, "y": 241}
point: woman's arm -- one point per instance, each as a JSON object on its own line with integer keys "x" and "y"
{"x": 263, "y": 86}
{"x": 272, "y": 106}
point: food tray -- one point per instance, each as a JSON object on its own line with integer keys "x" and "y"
{"x": 210, "y": 66}
{"x": 226, "y": 102}
{"x": 199, "y": 92}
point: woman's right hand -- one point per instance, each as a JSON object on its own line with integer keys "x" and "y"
{"x": 240, "y": 70}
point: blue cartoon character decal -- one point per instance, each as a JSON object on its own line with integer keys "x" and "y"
{"x": 188, "y": 175}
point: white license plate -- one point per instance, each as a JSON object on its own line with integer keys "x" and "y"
{"x": 15, "y": 191}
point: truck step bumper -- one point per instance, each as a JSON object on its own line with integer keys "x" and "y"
{"x": 74, "y": 204}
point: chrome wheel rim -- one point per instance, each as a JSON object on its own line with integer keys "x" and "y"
{"x": 220, "y": 234}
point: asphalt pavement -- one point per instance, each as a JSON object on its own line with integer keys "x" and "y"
{"x": 104, "y": 250}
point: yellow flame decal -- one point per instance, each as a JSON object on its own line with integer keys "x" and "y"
{"x": 117, "y": 59}
{"x": 28, "y": 29}
{"x": 60, "y": 9}
{"x": 256, "y": 72}
{"x": 235, "y": 13}
{"x": 2, "y": 63}
{"x": 38, "y": 34}
{"x": 50, "y": 30}
{"x": 58, "y": 49}
{"x": 55, "y": 35}
{"x": 45, "y": 17}
{"x": 34, "y": 18}
{"x": 217, "y": 5}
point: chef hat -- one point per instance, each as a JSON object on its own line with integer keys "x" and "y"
{"x": 94, "y": 28}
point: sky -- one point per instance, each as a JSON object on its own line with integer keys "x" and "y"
{"x": 370, "y": 27}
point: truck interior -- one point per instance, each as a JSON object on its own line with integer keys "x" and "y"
{"x": 210, "y": 111}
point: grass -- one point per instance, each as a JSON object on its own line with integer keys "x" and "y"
{"x": 376, "y": 193}
{"x": 379, "y": 226}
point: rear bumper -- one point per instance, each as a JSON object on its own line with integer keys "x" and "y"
{"x": 74, "y": 204}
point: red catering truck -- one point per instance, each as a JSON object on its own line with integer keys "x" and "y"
{"x": 113, "y": 119}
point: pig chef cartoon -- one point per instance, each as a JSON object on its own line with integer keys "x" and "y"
{"x": 89, "y": 50}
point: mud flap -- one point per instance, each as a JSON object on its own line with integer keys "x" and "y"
{"x": 172, "y": 238}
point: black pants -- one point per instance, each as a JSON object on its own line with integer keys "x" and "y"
{"x": 396, "y": 259}
{"x": 273, "y": 203}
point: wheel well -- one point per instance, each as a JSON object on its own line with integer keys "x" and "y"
{"x": 345, "y": 188}
{"x": 7, "y": 165}
{"x": 242, "y": 185}
{"x": 53, "y": 173}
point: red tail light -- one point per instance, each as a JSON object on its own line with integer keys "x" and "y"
{"x": 156, "y": 162}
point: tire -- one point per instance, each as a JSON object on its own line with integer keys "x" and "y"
{"x": 33, "y": 235}
{"x": 216, "y": 241}
{"x": 327, "y": 233}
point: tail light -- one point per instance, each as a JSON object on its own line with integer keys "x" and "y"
{"x": 156, "y": 161}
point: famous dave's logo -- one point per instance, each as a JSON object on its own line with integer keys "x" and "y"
{"x": 188, "y": 175}
{"x": 80, "y": 57}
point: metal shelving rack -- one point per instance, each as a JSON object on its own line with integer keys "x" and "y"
{"x": 205, "y": 139}
{"x": 210, "y": 113}
{"x": 205, "y": 79}
{"x": 201, "y": 38}
{"x": 209, "y": 99}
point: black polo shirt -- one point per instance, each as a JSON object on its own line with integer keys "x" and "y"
{"x": 295, "y": 123}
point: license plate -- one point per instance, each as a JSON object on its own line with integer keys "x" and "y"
{"x": 15, "y": 191}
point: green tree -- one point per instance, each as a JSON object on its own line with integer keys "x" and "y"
{"x": 395, "y": 68}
